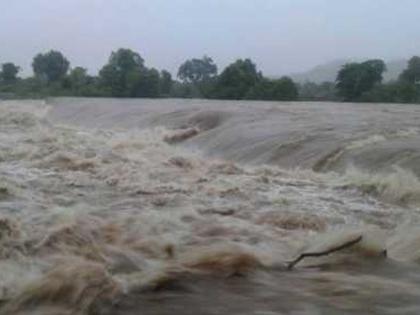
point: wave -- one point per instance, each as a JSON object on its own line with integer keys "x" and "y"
{"x": 100, "y": 215}
{"x": 399, "y": 186}
{"x": 301, "y": 135}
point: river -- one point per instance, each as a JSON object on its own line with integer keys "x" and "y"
{"x": 111, "y": 206}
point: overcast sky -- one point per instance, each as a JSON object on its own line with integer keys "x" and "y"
{"x": 281, "y": 36}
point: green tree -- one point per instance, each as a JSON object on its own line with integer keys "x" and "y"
{"x": 393, "y": 92}
{"x": 80, "y": 83}
{"x": 355, "y": 79}
{"x": 147, "y": 84}
{"x": 411, "y": 74}
{"x": 237, "y": 79}
{"x": 51, "y": 66}
{"x": 9, "y": 73}
{"x": 197, "y": 70}
{"x": 166, "y": 82}
{"x": 124, "y": 73}
{"x": 78, "y": 78}
{"x": 407, "y": 93}
{"x": 283, "y": 89}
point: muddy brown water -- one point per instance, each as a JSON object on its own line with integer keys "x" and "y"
{"x": 196, "y": 207}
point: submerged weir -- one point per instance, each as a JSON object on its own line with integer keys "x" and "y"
{"x": 198, "y": 207}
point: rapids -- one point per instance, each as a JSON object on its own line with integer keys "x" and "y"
{"x": 196, "y": 207}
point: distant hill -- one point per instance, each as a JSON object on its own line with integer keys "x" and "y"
{"x": 328, "y": 71}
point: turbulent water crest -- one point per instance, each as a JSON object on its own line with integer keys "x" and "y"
{"x": 197, "y": 207}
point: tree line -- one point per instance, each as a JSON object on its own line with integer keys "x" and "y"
{"x": 126, "y": 75}
{"x": 363, "y": 82}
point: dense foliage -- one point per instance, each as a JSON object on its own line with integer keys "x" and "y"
{"x": 237, "y": 80}
{"x": 355, "y": 79}
{"x": 51, "y": 66}
{"x": 8, "y": 74}
{"x": 370, "y": 89}
{"x": 411, "y": 75}
{"x": 362, "y": 82}
{"x": 197, "y": 70}
{"x": 126, "y": 75}
{"x": 283, "y": 89}
{"x": 310, "y": 91}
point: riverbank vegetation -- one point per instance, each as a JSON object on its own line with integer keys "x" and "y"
{"x": 126, "y": 75}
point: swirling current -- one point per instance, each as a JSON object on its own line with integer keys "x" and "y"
{"x": 111, "y": 206}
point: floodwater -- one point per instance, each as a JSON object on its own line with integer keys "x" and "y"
{"x": 198, "y": 207}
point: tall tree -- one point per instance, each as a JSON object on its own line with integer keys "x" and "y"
{"x": 411, "y": 74}
{"x": 9, "y": 72}
{"x": 197, "y": 70}
{"x": 79, "y": 82}
{"x": 237, "y": 80}
{"x": 51, "y": 66}
{"x": 166, "y": 82}
{"x": 354, "y": 79}
{"x": 78, "y": 78}
{"x": 148, "y": 84}
{"x": 123, "y": 72}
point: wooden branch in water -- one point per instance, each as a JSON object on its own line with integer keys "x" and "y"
{"x": 348, "y": 244}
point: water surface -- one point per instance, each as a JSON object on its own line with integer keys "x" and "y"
{"x": 196, "y": 207}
